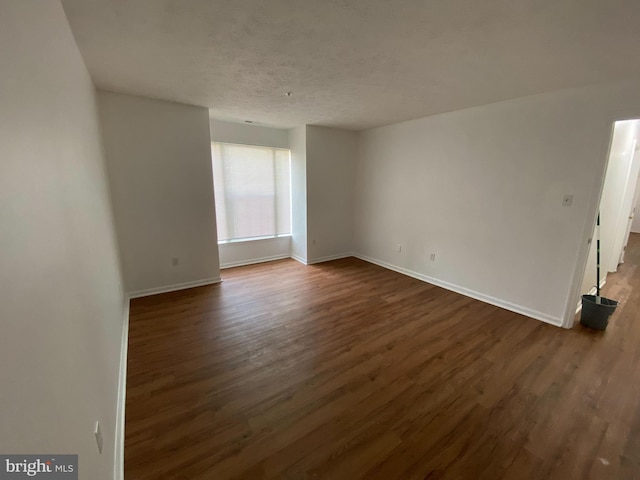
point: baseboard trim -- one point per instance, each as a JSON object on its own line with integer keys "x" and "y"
{"x": 329, "y": 258}
{"x": 543, "y": 317}
{"x": 591, "y": 292}
{"x": 254, "y": 261}
{"x": 299, "y": 259}
{"x": 173, "y": 288}
{"x": 118, "y": 468}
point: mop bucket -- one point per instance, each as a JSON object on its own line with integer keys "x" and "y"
{"x": 596, "y": 311}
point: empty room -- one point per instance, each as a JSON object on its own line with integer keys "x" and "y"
{"x": 319, "y": 239}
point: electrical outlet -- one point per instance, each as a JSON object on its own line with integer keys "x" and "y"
{"x": 175, "y": 261}
{"x": 399, "y": 248}
{"x": 432, "y": 257}
{"x": 567, "y": 200}
{"x": 98, "y": 434}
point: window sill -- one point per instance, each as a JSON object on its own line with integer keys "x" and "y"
{"x": 253, "y": 239}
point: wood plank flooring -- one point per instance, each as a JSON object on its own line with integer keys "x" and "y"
{"x": 345, "y": 370}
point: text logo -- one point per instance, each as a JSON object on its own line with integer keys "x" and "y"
{"x": 49, "y": 467}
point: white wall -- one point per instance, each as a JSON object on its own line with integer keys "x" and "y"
{"x": 298, "y": 146}
{"x": 482, "y": 189}
{"x": 159, "y": 163}
{"x": 589, "y": 278}
{"x": 61, "y": 303}
{"x": 248, "y": 134}
{"x": 635, "y": 227}
{"x": 331, "y": 157}
{"x": 246, "y": 252}
{"x": 243, "y": 253}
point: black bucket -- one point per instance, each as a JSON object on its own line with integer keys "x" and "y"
{"x": 596, "y": 315}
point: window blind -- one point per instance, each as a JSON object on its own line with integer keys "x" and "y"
{"x": 252, "y": 191}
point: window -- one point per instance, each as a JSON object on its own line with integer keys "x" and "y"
{"x": 252, "y": 191}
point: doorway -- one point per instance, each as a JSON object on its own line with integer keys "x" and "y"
{"x": 617, "y": 204}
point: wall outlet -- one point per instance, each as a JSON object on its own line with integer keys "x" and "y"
{"x": 98, "y": 434}
{"x": 175, "y": 261}
{"x": 567, "y": 200}
{"x": 432, "y": 257}
{"x": 399, "y": 247}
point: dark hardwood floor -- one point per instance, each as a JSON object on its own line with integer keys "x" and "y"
{"x": 345, "y": 370}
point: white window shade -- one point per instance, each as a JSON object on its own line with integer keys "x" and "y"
{"x": 252, "y": 191}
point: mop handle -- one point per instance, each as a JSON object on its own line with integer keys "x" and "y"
{"x": 598, "y": 260}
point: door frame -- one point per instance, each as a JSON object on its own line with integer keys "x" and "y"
{"x": 568, "y": 320}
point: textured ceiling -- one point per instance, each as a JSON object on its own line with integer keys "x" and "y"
{"x": 352, "y": 63}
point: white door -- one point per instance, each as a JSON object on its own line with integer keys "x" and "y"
{"x": 626, "y": 241}
{"x": 634, "y": 186}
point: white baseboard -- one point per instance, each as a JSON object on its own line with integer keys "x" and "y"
{"x": 329, "y": 258}
{"x": 118, "y": 467}
{"x": 543, "y": 317}
{"x": 253, "y": 261}
{"x": 173, "y": 288}
{"x": 299, "y": 259}
{"x": 591, "y": 292}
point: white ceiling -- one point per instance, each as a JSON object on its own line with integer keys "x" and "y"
{"x": 352, "y": 63}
